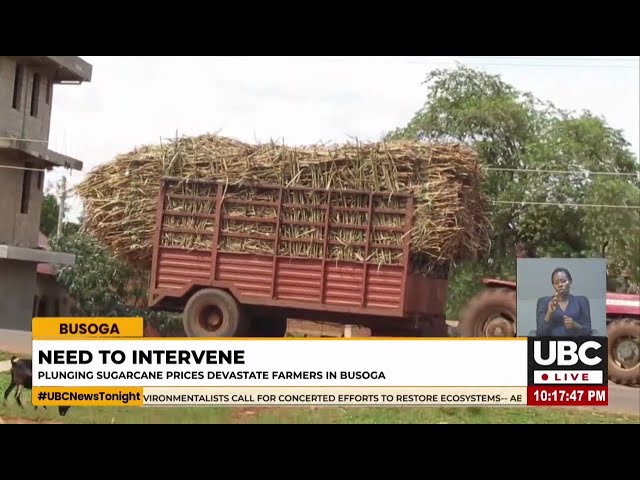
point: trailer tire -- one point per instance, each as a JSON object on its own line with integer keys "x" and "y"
{"x": 624, "y": 329}
{"x": 214, "y": 313}
{"x": 493, "y": 301}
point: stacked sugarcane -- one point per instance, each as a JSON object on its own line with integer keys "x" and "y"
{"x": 450, "y": 222}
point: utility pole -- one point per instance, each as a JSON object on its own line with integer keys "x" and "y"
{"x": 63, "y": 198}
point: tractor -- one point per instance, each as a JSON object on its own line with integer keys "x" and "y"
{"x": 492, "y": 313}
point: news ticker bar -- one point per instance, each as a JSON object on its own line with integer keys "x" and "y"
{"x": 310, "y": 396}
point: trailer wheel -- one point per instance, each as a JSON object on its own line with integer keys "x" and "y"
{"x": 491, "y": 313}
{"x": 214, "y": 313}
{"x": 624, "y": 351}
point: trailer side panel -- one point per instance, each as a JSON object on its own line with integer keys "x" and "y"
{"x": 277, "y": 276}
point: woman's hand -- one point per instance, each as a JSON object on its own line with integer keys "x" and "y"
{"x": 570, "y": 323}
{"x": 553, "y": 304}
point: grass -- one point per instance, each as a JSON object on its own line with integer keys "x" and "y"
{"x": 5, "y": 356}
{"x": 313, "y": 415}
{"x": 433, "y": 415}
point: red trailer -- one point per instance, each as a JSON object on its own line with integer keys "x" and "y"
{"x": 227, "y": 293}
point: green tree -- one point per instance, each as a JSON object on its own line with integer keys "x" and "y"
{"x": 513, "y": 130}
{"x": 49, "y": 218}
{"x": 71, "y": 228}
{"x": 97, "y": 281}
{"x": 105, "y": 286}
{"x": 49, "y": 215}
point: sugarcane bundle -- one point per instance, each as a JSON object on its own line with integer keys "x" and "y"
{"x": 450, "y": 221}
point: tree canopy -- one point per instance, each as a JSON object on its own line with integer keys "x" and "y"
{"x": 49, "y": 215}
{"x": 577, "y": 165}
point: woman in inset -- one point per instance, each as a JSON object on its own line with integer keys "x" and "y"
{"x": 563, "y": 314}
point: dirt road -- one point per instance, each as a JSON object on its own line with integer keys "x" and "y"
{"x": 15, "y": 341}
{"x": 623, "y": 399}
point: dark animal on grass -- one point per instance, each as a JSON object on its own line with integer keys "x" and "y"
{"x": 21, "y": 377}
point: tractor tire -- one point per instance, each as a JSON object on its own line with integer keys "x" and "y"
{"x": 619, "y": 330}
{"x": 500, "y": 302}
{"x": 214, "y": 313}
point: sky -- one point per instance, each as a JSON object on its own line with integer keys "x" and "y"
{"x": 132, "y": 101}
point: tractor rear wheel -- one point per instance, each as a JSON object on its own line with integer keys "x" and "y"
{"x": 624, "y": 351}
{"x": 214, "y": 313}
{"x": 491, "y": 313}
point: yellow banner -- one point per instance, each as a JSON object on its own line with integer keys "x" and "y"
{"x": 87, "y": 396}
{"x": 87, "y": 327}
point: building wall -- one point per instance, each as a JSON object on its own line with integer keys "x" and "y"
{"x": 20, "y": 121}
{"x": 17, "y": 285}
{"x": 52, "y": 299}
{"x": 18, "y": 228}
{"x": 25, "y": 114}
{"x": 25, "y": 295}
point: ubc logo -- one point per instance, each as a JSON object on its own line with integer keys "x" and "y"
{"x": 567, "y": 353}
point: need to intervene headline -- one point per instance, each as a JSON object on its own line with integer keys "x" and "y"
{"x": 145, "y": 357}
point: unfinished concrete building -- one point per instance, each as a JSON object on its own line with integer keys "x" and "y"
{"x": 26, "y": 100}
